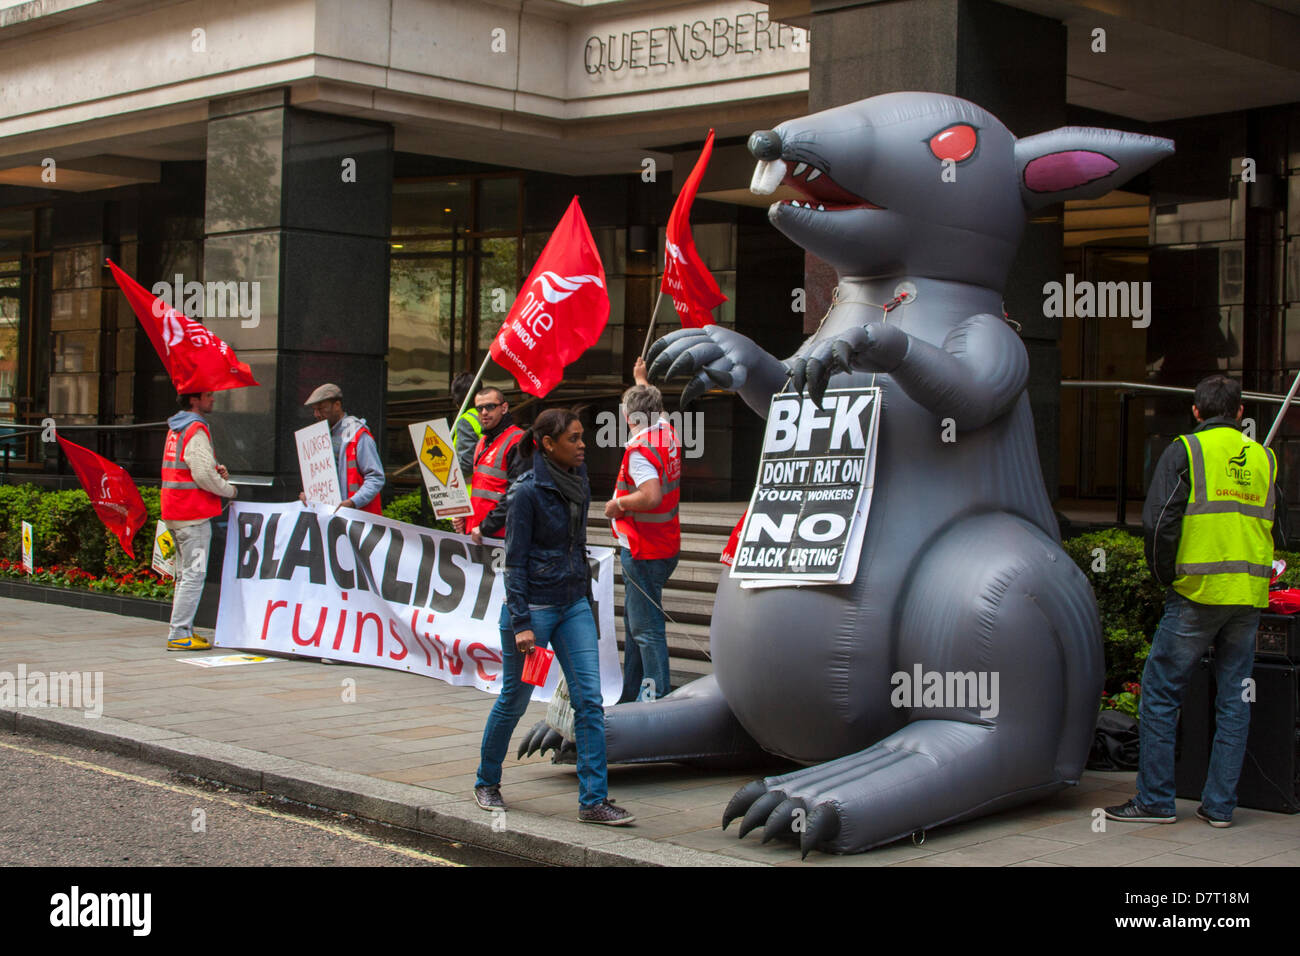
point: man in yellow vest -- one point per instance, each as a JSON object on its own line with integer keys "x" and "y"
{"x": 1212, "y": 517}
{"x": 466, "y": 430}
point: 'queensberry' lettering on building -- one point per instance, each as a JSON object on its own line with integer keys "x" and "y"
{"x": 668, "y": 46}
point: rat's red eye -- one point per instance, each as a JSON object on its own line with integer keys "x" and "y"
{"x": 955, "y": 142}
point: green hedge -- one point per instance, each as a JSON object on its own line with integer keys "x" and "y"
{"x": 407, "y": 508}
{"x": 66, "y": 530}
{"x": 1128, "y": 598}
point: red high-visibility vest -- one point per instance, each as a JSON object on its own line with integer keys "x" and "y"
{"x": 181, "y": 498}
{"x": 491, "y": 480}
{"x": 353, "y": 474}
{"x": 657, "y": 533}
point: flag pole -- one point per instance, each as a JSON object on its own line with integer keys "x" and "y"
{"x": 469, "y": 396}
{"x": 1277, "y": 422}
{"x": 651, "y": 331}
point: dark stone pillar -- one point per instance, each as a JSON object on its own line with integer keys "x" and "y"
{"x": 1008, "y": 61}
{"x": 299, "y": 202}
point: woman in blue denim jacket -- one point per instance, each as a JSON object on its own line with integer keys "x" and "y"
{"x": 547, "y": 603}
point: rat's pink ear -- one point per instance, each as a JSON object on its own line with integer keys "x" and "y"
{"x": 1079, "y": 162}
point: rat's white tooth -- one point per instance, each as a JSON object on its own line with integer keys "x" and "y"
{"x": 814, "y": 174}
{"x": 821, "y": 208}
{"x": 767, "y": 176}
{"x": 798, "y": 170}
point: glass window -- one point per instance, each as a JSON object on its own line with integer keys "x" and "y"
{"x": 245, "y": 154}
{"x": 75, "y": 309}
{"x": 498, "y": 205}
{"x": 426, "y": 315}
{"x": 431, "y": 208}
{"x": 497, "y": 285}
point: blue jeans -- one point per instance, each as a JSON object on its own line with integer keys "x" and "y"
{"x": 571, "y": 634}
{"x": 645, "y": 647}
{"x": 1186, "y": 630}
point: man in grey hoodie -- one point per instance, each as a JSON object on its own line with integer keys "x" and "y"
{"x": 193, "y": 489}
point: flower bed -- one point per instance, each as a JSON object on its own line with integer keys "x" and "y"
{"x": 140, "y": 583}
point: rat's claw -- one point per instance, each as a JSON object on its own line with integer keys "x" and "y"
{"x": 779, "y": 824}
{"x": 658, "y": 345}
{"x": 533, "y": 739}
{"x": 843, "y": 355}
{"x": 741, "y": 802}
{"x": 695, "y": 358}
{"x": 758, "y": 812}
{"x": 823, "y": 824}
{"x": 722, "y": 378}
{"x": 695, "y": 388}
{"x": 798, "y": 367}
{"x": 551, "y": 741}
{"x": 818, "y": 375}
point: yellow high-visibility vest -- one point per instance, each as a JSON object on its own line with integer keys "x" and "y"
{"x": 1225, "y": 553}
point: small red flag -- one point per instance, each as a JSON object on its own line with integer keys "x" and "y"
{"x": 686, "y": 278}
{"x": 561, "y": 311}
{"x": 111, "y": 491}
{"x": 729, "y": 552}
{"x": 196, "y": 359}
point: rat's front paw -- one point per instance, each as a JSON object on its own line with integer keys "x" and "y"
{"x": 712, "y": 356}
{"x": 865, "y": 348}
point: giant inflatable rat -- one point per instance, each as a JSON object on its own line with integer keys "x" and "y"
{"x": 961, "y": 569}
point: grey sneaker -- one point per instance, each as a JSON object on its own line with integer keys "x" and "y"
{"x": 1134, "y": 812}
{"x": 489, "y": 798}
{"x": 1212, "y": 821}
{"x": 605, "y": 812}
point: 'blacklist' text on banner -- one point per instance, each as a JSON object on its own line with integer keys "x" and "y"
{"x": 364, "y": 589}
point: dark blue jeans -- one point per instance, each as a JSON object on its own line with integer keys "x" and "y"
{"x": 645, "y": 646}
{"x": 1185, "y": 632}
{"x": 571, "y": 633}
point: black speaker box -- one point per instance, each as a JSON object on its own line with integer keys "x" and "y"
{"x": 1270, "y": 772}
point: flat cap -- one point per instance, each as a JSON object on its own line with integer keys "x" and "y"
{"x": 326, "y": 391}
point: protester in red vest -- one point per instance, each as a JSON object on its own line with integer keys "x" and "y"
{"x": 644, "y": 513}
{"x": 496, "y": 465}
{"x": 193, "y": 486}
{"x": 361, "y": 474}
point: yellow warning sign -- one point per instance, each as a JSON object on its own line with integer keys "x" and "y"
{"x": 436, "y": 455}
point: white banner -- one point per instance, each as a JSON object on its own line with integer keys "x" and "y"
{"x": 320, "y": 474}
{"x": 442, "y": 476}
{"x": 368, "y": 590}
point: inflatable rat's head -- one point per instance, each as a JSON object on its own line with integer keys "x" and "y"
{"x": 925, "y": 184}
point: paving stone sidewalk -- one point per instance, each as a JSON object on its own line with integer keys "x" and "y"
{"x": 420, "y": 732}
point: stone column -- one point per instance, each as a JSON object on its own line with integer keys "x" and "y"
{"x": 300, "y": 203}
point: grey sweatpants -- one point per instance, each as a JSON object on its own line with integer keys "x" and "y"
{"x": 192, "y": 545}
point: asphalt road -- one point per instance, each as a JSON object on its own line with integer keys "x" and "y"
{"x": 63, "y": 805}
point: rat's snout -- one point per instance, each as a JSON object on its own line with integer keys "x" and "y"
{"x": 765, "y": 144}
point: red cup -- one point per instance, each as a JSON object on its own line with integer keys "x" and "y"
{"x": 537, "y": 665}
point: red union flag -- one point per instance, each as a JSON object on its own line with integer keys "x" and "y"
{"x": 686, "y": 278}
{"x": 196, "y": 360}
{"x": 112, "y": 492}
{"x": 561, "y": 311}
